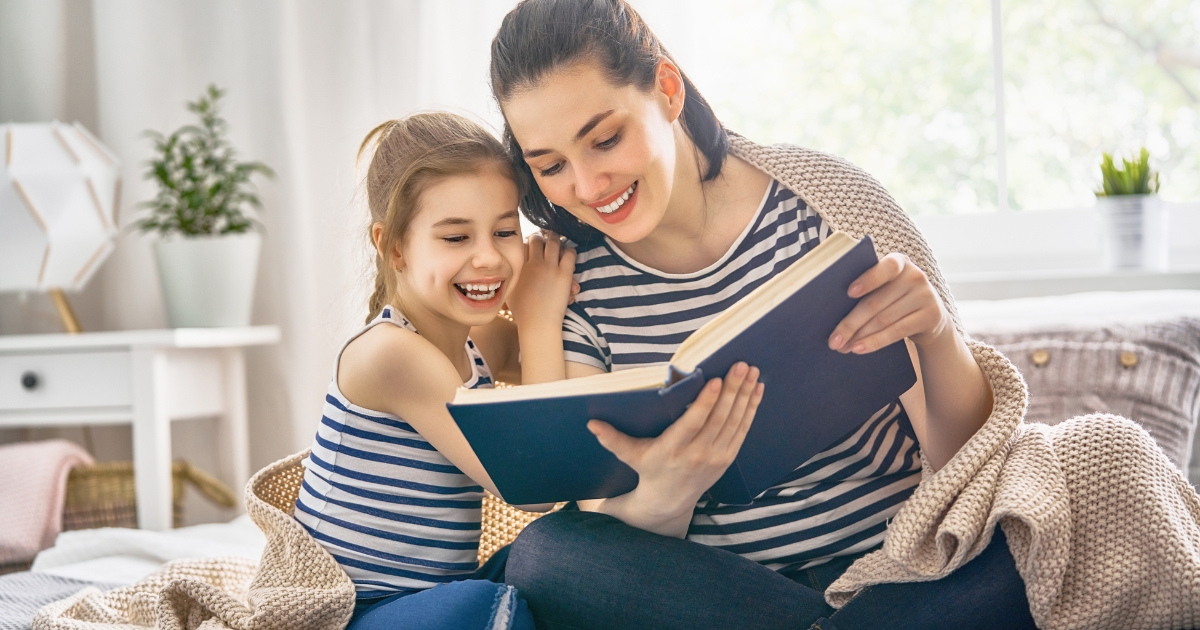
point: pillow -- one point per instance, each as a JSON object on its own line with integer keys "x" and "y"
{"x": 1148, "y": 372}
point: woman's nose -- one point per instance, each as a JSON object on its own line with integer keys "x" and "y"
{"x": 590, "y": 185}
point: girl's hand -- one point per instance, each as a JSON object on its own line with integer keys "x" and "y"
{"x": 679, "y": 465}
{"x": 900, "y": 302}
{"x": 539, "y": 300}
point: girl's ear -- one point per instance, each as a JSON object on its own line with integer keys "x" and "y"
{"x": 669, "y": 82}
{"x": 393, "y": 258}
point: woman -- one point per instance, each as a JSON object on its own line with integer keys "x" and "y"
{"x": 627, "y": 159}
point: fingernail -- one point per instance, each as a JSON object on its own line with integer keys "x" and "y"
{"x": 859, "y": 348}
{"x": 714, "y": 385}
{"x": 855, "y": 289}
{"x": 835, "y": 341}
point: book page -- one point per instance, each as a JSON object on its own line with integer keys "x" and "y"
{"x": 724, "y": 327}
{"x": 651, "y": 377}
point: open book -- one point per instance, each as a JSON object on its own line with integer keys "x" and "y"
{"x": 534, "y": 443}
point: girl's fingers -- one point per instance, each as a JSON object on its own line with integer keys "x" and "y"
{"x": 863, "y": 312}
{"x": 745, "y": 393}
{"x": 719, "y": 414}
{"x": 536, "y": 247}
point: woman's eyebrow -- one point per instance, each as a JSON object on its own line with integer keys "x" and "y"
{"x": 583, "y": 131}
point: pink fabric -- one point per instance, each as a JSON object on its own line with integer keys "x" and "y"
{"x": 33, "y": 487}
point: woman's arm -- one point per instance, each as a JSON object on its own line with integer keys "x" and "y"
{"x": 899, "y": 302}
{"x": 679, "y": 465}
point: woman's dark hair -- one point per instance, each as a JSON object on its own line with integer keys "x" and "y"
{"x": 540, "y": 36}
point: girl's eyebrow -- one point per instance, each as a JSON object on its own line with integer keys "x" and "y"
{"x": 583, "y": 131}
{"x": 452, "y": 221}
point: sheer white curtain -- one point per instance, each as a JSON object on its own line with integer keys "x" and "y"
{"x": 306, "y": 80}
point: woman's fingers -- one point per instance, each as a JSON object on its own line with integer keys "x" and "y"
{"x": 739, "y": 436}
{"x": 908, "y": 326}
{"x": 689, "y": 424}
{"x": 627, "y": 449}
{"x": 863, "y": 312}
{"x": 885, "y": 319}
{"x": 738, "y": 410}
{"x": 720, "y": 411}
{"x": 535, "y": 247}
{"x": 882, "y": 273}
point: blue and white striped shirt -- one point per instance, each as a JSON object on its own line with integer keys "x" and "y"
{"x": 630, "y": 315}
{"x": 392, "y": 510}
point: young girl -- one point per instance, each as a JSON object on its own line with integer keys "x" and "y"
{"x": 391, "y": 488}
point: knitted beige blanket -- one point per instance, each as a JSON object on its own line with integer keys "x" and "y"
{"x": 296, "y": 586}
{"x": 1102, "y": 527}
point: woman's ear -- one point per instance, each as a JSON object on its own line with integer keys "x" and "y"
{"x": 669, "y": 82}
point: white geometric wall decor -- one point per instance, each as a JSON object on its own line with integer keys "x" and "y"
{"x": 59, "y": 193}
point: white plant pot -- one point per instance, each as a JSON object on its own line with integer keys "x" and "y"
{"x": 1136, "y": 235}
{"x": 208, "y": 280}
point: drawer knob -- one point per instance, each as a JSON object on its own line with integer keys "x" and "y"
{"x": 30, "y": 381}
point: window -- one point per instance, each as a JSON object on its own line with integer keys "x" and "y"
{"x": 906, "y": 89}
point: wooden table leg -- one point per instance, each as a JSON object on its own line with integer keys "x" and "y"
{"x": 234, "y": 443}
{"x": 151, "y": 439}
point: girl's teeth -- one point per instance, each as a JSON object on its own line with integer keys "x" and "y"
{"x": 479, "y": 292}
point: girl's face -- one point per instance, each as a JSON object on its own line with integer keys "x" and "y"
{"x": 463, "y": 248}
{"x": 605, "y": 153}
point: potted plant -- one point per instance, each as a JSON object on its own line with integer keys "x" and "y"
{"x": 208, "y": 246}
{"x": 1135, "y": 223}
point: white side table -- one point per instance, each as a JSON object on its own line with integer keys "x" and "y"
{"x": 146, "y": 378}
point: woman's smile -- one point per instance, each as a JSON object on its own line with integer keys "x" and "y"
{"x": 616, "y": 208}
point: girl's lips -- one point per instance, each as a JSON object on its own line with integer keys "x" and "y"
{"x": 622, "y": 212}
{"x": 465, "y": 291}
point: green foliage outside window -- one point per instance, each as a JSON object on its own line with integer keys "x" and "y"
{"x": 203, "y": 190}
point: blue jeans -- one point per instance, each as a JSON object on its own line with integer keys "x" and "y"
{"x": 483, "y": 602}
{"x": 584, "y": 570}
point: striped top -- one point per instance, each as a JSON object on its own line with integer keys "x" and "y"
{"x": 630, "y": 315}
{"x": 393, "y": 511}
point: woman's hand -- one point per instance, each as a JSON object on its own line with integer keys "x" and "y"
{"x": 952, "y": 397}
{"x": 679, "y": 465}
{"x": 900, "y": 302}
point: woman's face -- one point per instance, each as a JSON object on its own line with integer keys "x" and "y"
{"x": 605, "y": 153}
{"x": 463, "y": 248}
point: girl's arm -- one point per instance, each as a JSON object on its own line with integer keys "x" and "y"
{"x": 538, "y": 303}
{"x": 952, "y": 398}
{"x": 396, "y": 371}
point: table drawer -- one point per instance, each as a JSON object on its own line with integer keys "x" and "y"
{"x": 65, "y": 380}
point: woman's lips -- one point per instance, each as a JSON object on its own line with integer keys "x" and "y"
{"x": 618, "y": 215}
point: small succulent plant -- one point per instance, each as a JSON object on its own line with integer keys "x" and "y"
{"x": 1134, "y": 177}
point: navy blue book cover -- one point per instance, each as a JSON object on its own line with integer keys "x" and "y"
{"x": 540, "y": 451}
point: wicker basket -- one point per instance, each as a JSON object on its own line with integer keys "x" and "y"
{"x": 102, "y": 495}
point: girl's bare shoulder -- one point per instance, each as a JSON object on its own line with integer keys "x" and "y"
{"x": 389, "y": 369}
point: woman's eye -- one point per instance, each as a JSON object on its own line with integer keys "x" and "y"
{"x": 556, "y": 167}
{"x": 507, "y": 233}
{"x": 454, "y": 239}
{"x": 609, "y": 143}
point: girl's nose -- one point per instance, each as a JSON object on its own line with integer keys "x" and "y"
{"x": 486, "y": 255}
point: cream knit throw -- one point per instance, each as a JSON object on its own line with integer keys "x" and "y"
{"x": 1102, "y": 527}
{"x": 297, "y": 585}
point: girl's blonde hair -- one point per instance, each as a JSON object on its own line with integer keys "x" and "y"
{"x": 410, "y": 155}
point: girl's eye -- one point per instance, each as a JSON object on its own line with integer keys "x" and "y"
{"x": 506, "y": 233}
{"x": 547, "y": 172}
{"x": 609, "y": 143}
{"x": 454, "y": 239}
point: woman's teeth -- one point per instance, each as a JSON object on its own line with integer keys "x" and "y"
{"x": 479, "y": 292}
{"x": 614, "y": 206}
